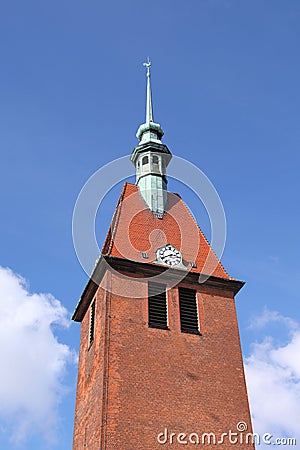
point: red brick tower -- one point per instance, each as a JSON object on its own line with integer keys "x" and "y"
{"x": 160, "y": 361}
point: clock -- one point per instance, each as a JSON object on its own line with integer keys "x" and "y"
{"x": 169, "y": 255}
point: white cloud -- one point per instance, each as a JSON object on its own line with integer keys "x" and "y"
{"x": 273, "y": 316}
{"x": 33, "y": 362}
{"x": 273, "y": 379}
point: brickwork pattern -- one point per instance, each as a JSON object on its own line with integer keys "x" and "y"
{"x": 135, "y": 381}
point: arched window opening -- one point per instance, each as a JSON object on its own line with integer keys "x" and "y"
{"x": 145, "y": 160}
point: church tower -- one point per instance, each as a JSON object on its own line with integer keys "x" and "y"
{"x": 160, "y": 361}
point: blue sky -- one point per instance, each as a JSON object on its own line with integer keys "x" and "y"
{"x": 225, "y": 85}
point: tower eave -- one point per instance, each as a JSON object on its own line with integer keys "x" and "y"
{"x": 123, "y": 265}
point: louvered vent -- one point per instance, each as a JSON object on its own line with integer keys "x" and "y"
{"x": 188, "y": 311}
{"x": 92, "y": 323}
{"x": 157, "y": 306}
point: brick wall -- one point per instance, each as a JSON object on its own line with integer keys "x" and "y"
{"x": 135, "y": 381}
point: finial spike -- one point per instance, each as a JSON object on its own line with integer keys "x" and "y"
{"x": 149, "y": 107}
{"x": 148, "y": 65}
{"x": 149, "y": 131}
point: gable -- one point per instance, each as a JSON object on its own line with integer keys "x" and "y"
{"x": 135, "y": 230}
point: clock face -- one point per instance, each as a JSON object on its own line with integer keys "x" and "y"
{"x": 169, "y": 255}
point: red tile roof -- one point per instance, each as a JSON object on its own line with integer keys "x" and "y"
{"x": 135, "y": 229}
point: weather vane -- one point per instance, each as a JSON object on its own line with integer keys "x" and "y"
{"x": 148, "y": 65}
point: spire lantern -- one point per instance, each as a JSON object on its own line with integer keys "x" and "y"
{"x": 151, "y": 157}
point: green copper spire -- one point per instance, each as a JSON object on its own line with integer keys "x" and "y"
{"x": 149, "y": 107}
{"x": 151, "y": 158}
{"x": 149, "y": 131}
